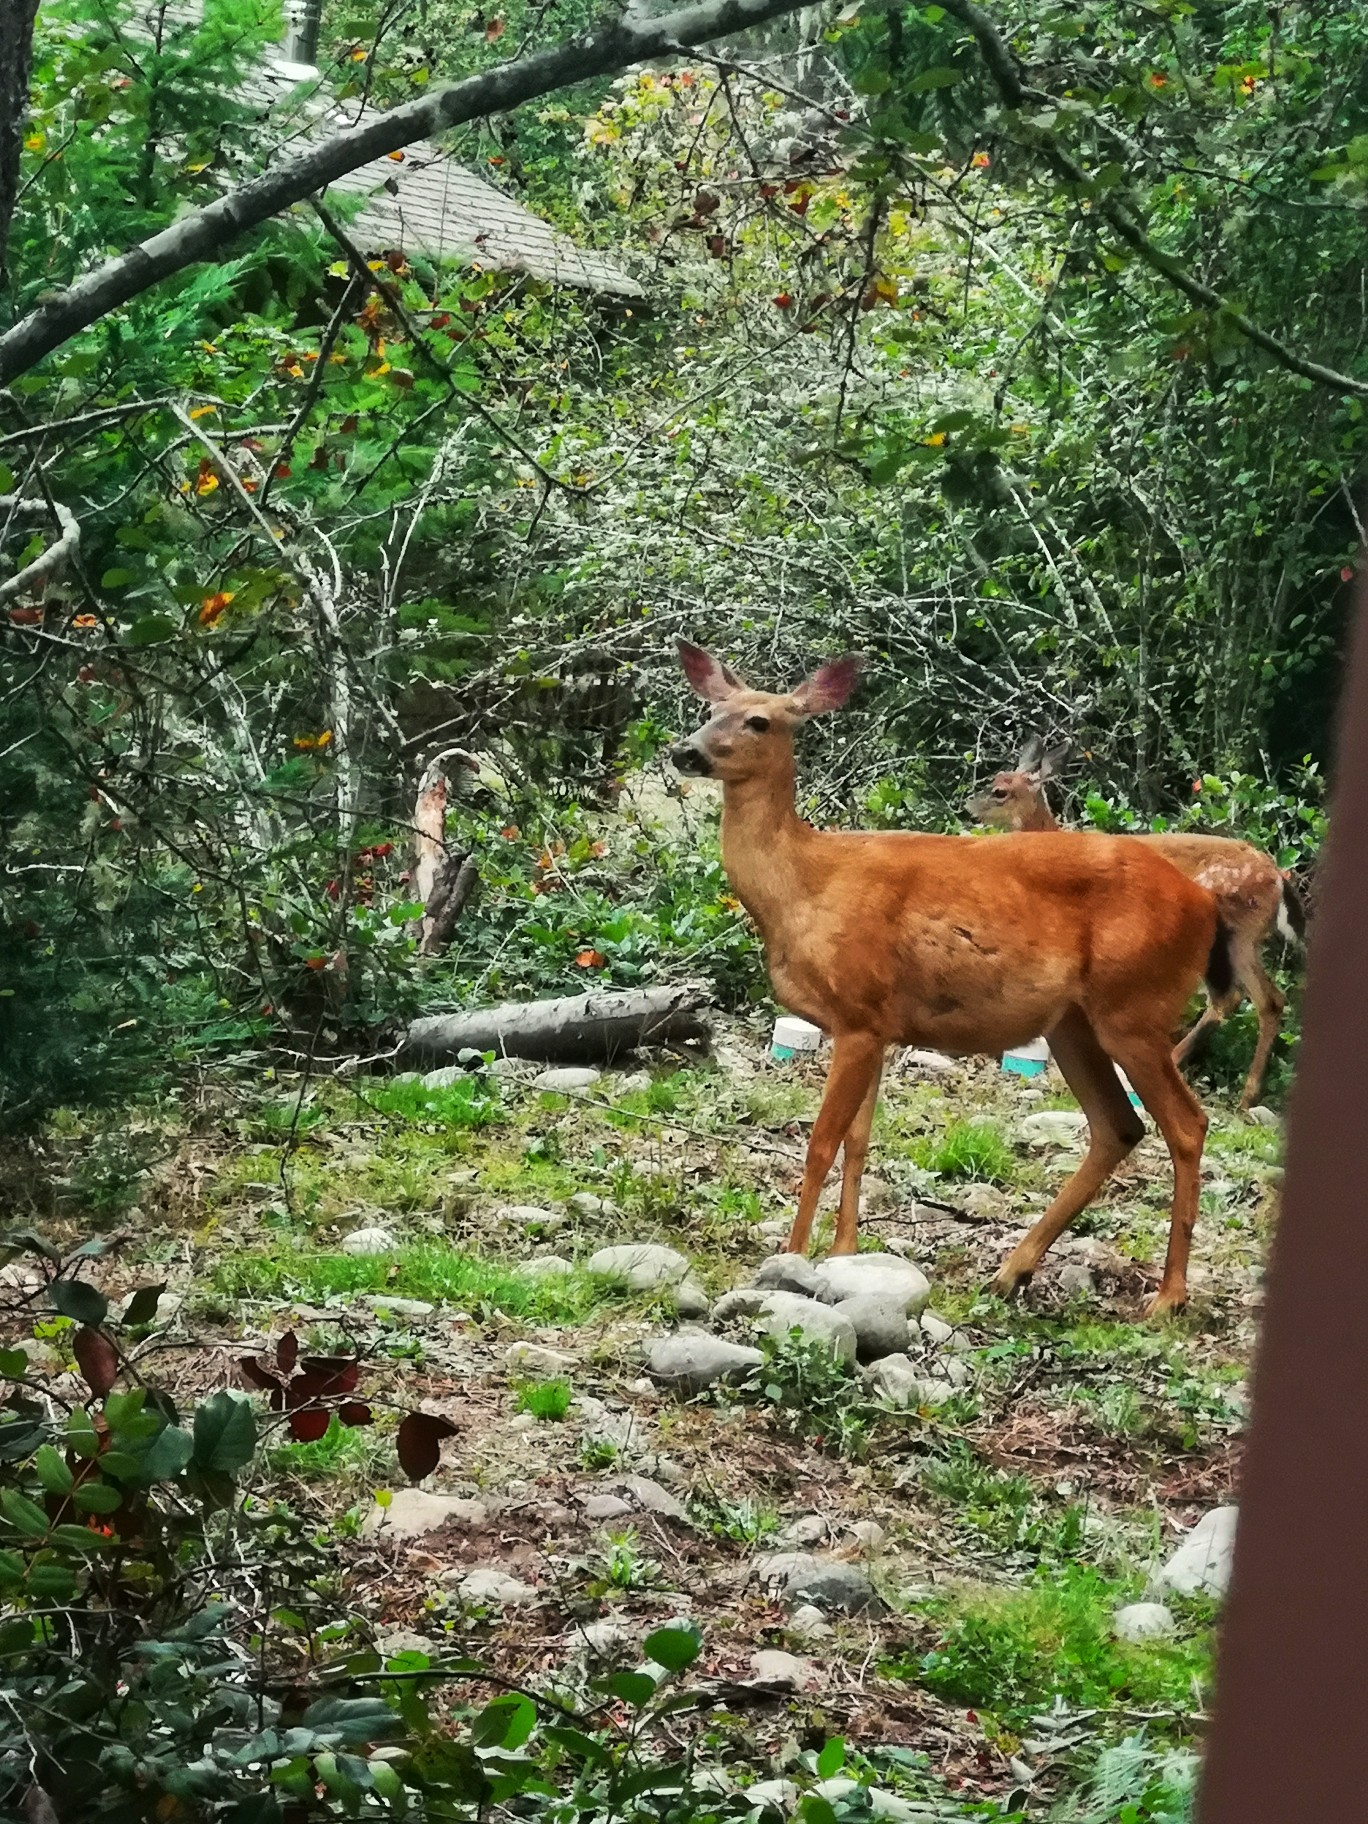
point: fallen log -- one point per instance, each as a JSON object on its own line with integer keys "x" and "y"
{"x": 581, "y": 1029}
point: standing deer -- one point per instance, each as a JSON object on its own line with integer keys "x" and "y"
{"x": 892, "y": 939}
{"x": 1253, "y": 897}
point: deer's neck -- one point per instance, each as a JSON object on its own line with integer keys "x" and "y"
{"x": 762, "y": 837}
{"x": 1040, "y": 817}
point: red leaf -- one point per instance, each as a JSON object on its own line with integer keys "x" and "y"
{"x": 1347, "y": 574}
{"x": 354, "y": 1412}
{"x": 420, "y": 1442}
{"x": 310, "y": 1425}
{"x": 495, "y": 29}
{"x": 782, "y": 301}
{"x": 97, "y": 1359}
{"x": 287, "y": 1352}
{"x": 255, "y": 1375}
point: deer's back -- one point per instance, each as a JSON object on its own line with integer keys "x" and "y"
{"x": 1246, "y": 882}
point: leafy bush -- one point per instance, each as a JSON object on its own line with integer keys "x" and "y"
{"x": 545, "y": 1399}
{"x": 967, "y": 1149}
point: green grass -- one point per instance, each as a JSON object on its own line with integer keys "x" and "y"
{"x": 747, "y": 1522}
{"x": 967, "y": 1149}
{"x": 545, "y": 1399}
{"x": 468, "y": 1102}
{"x": 423, "y": 1270}
{"x": 342, "y": 1450}
{"x": 1013, "y": 1653}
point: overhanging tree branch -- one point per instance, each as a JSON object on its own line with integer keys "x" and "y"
{"x": 1002, "y": 68}
{"x": 203, "y": 233}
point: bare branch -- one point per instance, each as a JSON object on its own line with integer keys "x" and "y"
{"x": 48, "y": 562}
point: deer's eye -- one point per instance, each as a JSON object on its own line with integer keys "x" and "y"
{"x": 999, "y": 791}
{"x": 760, "y": 724}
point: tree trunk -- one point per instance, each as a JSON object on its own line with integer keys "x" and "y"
{"x": 16, "y": 65}
{"x": 583, "y": 1029}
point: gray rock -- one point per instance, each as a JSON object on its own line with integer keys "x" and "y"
{"x": 1201, "y": 1565}
{"x": 398, "y": 1307}
{"x": 529, "y": 1216}
{"x": 787, "y": 1273}
{"x": 391, "y": 1641}
{"x": 687, "y": 1363}
{"x": 414, "y": 1512}
{"x": 778, "y": 1567}
{"x": 546, "y": 1263}
{"x": 898, "y": 1380}
{"x": 783, "y": 1312}
{"x": 1262, "y": 1116}
{"x": 606, "y": 1507}
{"x": 807, "y": 1529}
{"x": 512, "y": 1069}
{"x": 809, "y": 1623}
{"x": 773, "y": 1228}
{"x": 869, "y": 1533}
{"x": 370, "y": 1241}
{"x": 771, "y": 1795}
{"x": 880, "y": 1325}
{"x": 638, "y": 1265}
{"x": 650, "y": 1496}
{"x": 602, "y": 1639}
{"x": 444, "y": 1076}
{"x": 880, "y": 1275}
{"x": 1054, "y": 1127}
{"x": 830, "y": 1584}
{"x": 587, "y": 1204}
{"x": 927, "y": 1060}
{"x": 633, "y": 1084}
{"x": 536, "y": 1358}
{"x": 691, "y": 1300}
{"x": 1075, "y": 1280}
{"x": 495, "y": 1588}
{"x": 568, "y": 1077}
{"x": 746, "y": 1301}
{"x": 772, "y": 1666}
{"x": 934, "y": 1326}
{"x": 1141, "y": 1621}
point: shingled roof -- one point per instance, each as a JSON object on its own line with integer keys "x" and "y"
{"x": 424, "y": 203}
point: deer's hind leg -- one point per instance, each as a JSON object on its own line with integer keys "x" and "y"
{"x": 853, "y": 1080}
{"x": 1269, "y": 1003}
{"x": 1113, "y": 1130}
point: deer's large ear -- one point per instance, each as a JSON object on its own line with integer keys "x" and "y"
{"x": 1053, "y": 761}
{"x": 1031, "y": 755}
{"x": 708, "y": 677}
{"x": 829, "y": 687}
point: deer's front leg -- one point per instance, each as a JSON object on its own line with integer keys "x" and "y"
{"x": 856, "y": 1059}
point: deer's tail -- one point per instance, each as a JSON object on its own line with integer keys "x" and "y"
{"x": 1220, "y": 970}
{"x": 1291, "y": 919}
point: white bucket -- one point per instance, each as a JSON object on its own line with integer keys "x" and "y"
{"x": 792, "y": 1035}
{"x": 1029, "y": 1060}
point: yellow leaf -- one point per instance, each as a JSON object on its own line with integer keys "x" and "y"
{"x": 206, "y": 484}
{"x": 35, "y": 142}
{"x": 203, "y": 411}
{"x": 936, "y": 439}
{"x": 339, "y": 269}
{"x": 359, "y": 54}
{"x": 1021, "y": 430}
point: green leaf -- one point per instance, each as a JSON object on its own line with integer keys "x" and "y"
{"x": 942, "y": 77}
{"x": 23, "y": 1514}
{"x": 75, "y": 1299}
{"x": 674, "y": 1648}
{"x": 832, "y": 1758}
{"x": 351, "y": 1719}
{"x": 142, "y": 1307}
{"x": 13, "y": 1364}
{"x": 52, "y": 1582}
{"x": 150, "y": 630}
{"x": 118, "y": 579}
{"x": 225, "y": 1433}
{"x": 167, "y": 1455}
{"x": 98, "y": 1498}
{"x": 52, "y": 1471}
{"x": 817, "y": 1810}
{"x": 634, "y": 1688}
{"x": 505, "y": 1723}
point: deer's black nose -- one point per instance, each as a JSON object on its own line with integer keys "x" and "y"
{"x": 690, "y": 759}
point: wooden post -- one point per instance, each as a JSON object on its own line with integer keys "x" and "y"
{"x": 1291, "y": 1716}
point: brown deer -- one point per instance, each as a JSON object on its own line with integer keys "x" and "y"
{"x": 1253, "y": 896}
{"x": 892, "y": 939}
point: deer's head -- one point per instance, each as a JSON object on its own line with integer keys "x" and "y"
{"x": 1016, "y": 800}
{"x": 751, "y": 731}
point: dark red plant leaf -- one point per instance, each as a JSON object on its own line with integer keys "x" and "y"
{"x": 354, "y": 1412}
{"x": 287, "y": 1352}
{"x": 322, "y": 1380}
{"x": 97, "y": 1359}
{"x": 255, "y": 1375}
{"x": 310, "y": 1425}
{"x": 420, "y": 1443}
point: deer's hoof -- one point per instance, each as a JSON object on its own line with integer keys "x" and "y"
{"x": 1008, "y": 1281}
{"x": 1165, "y": 1305}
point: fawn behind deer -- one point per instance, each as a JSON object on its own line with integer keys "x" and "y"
{"x": 971, "y": 946}
{"x": 1251, "y": 892}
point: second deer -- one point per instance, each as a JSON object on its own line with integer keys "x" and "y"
{"x": 1254, "y": 898}
{"x": 892, "y": 939}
